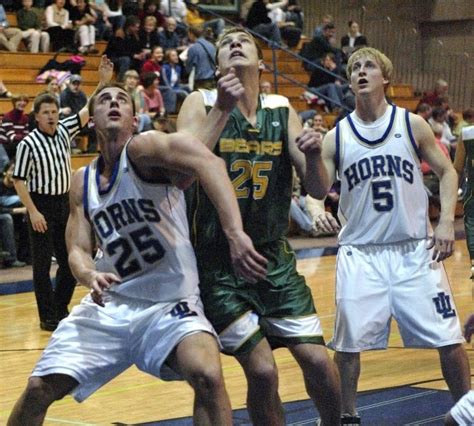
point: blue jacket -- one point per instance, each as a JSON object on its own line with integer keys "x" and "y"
{"x": 166, "y": 75}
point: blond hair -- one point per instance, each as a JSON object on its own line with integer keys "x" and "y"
{"x": 384, "y": 63}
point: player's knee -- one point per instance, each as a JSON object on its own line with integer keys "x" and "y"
{"x": 39, "y": 395}
{"x": 264, "y": 374}
{"x": 207, "y": 378}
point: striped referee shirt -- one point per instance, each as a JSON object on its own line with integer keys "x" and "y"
{"x": 44, "y": 161}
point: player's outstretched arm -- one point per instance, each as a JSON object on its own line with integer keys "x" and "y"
{"x": 305, "y": 147}
{"x": 208, "y": 127}
{"x": 79, "y": 245}
{"x": 183, "y": 153}
{"x": 106, "y": 70}
{"x": 443, "y": 238}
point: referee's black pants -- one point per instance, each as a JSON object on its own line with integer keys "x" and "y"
{"x": 52, "y": 303}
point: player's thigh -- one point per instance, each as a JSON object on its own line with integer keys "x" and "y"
{"x": 89, "y": 346}
{"x": 362, "y": 300}
{"x": 163, "y": 328}
{"x": 422, "y": 302}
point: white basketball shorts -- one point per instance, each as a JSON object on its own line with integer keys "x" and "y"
{"x": 95, "y": 344}
{"x": 463, "y": 411}
{"x": 376, "y": 282}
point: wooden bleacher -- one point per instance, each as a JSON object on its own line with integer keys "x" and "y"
{"x": 401, "y": 94}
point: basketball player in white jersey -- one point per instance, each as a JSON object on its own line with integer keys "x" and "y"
{"x": 388, "y": 264}
{"x": 144, "y": 307}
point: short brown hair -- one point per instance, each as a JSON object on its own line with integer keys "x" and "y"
{"x": 19, "y": 97}
{"x": 384, "y": 63}
{"x": 44, "y": 98}
{"x": 108, "y": 86}
{"x": 237, "y": 30}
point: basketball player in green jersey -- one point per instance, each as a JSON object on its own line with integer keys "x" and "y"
{"x": 259, "y": 138}
{"x": 464, "y": 160}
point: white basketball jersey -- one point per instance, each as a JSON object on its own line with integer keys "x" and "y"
{"x": 383, "y": 199}
{"x": 143, "y": 234}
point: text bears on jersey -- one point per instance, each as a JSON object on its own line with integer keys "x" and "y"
{"x": 377, "y": 166}
{"x": 123, "y": 213}
{"x": 247, "y": 147}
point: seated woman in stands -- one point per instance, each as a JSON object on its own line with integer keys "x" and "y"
{"x": 154, "y": 104}
{"x": 171, "y": 73}
{"x": 59, "y": 26}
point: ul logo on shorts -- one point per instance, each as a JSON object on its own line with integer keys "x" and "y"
{"x": 443, "y": 305}
{"x": 181, "y": 310}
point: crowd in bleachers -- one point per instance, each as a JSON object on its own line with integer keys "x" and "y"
{"x": 162, "y": 53}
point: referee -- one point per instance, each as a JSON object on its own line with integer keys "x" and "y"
{"x": 42, "y": 178}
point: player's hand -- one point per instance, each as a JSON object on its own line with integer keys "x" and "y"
{"x": 326, "y": 222}
{"x": 246, "y": 261}
{"x": 310, "y": 142}
{"x": 38, "y": 222}
{"x": 106, "y": 70}
{"x": 229, "y": 91}
{"x": 469, "y": 328}
{"x": 99, "y": 282}
{"x": 442, "y": 241}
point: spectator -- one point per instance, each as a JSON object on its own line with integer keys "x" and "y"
{"x": 201, "y": 59}
{"x": 59, "y": 27}
{"x": 424, "y": 110}
{"x": 124, "y": 49}
{"x": 154, "y": 104}
{"x": 352, "y": 40}
{"x": 131, "y": 86}
{"x": 259, "y": 21}
{"x": 194, "y": 18}
{"x": 7, "y": 239}
{"x": 83, "y": 18}
{"x": 440, "y": 90}
{"x": 440, "y": 115}
{"x": 319, "y": 124}
{"x": 151, "y": 8}
{"x": 12, "y": 222}
{"x": 467, "y": 120}
{"x": 327, "y": 19}
{"x": 288, "y": 29}
{"x": 9, "y": 37}
{"x": 148, "y": 35}
{"x": 103, "y": 27}
{"x": 154, "y": 63}
{"x": 171, "y": 79}
{"x": 30, "y": 24}
{"x": 109, "y": 17}
{"x": 72, "y": 100}
{"x": 178, "y": 12}
{"x": 169, "y": 39}
{"x": 15, "y": 125}
{"x": 294, "y": 13}
{"x": 73, "y": 97}
{"x": 327, "y": 84}
{"x": 321, "y": 45}
{"x": 265, "y": 87}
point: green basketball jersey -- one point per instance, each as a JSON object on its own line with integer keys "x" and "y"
{"x": 258, "y": 164}
{"x": 468, "y": 141}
